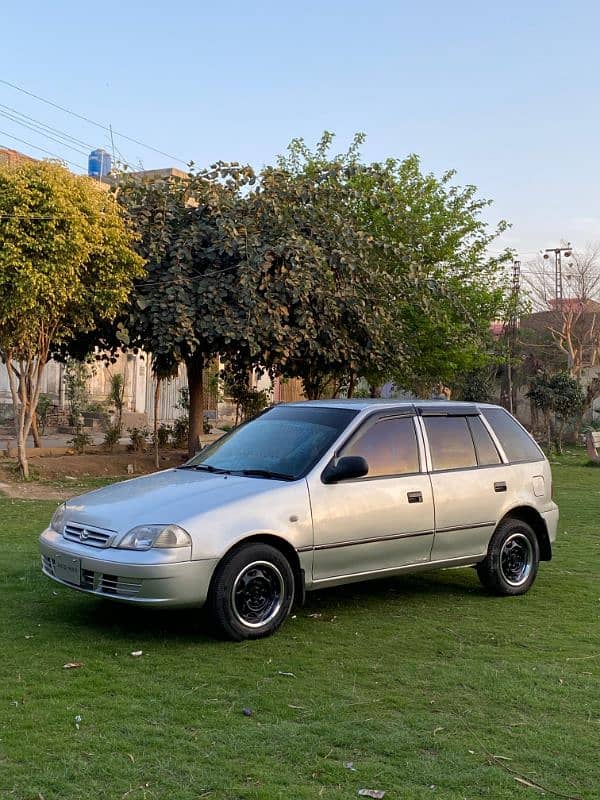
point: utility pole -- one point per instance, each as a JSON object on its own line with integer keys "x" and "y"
{"x": 511, "y": 330}
{"x": 558, "y": 283}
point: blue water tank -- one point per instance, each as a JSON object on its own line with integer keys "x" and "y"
{"x": 99, "y": 163}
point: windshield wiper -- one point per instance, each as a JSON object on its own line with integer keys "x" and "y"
{"x": 264, "y": 473}
{"x": 206, "y": 468}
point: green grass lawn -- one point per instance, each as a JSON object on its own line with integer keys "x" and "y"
{"x": 429, "y": 686}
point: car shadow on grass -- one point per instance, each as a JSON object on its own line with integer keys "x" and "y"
{"x": 123, "y": 622}
{"x": 408, "y": 588}
{"x": 119, "y": 621}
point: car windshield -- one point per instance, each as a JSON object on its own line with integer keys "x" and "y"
{"x": 283, "y": 443}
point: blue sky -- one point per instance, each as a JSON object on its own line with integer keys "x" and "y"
{"x": 506, "y": 93}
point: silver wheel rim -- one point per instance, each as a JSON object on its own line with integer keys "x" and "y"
{"x": 257, "y": 594}
{"x": 516, "y": 559}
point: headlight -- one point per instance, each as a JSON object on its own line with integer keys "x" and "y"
{"x": 57, "y": 523}
{"x": 146, "y": 536}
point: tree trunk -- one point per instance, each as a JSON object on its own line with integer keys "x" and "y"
{"x": 548, "y": 430}
{"x": 156, "y": 399}
{"x": 313, "y": 387}
{"x": 195, "y": 374}
{"x": 27, "y": 395}
{"x": 18, "y": 414}
{"x": 22, "y": 456}
{"x": 559, "y": 436}
{"x": 351, "y": 385}
{"x": 34, "y": 431}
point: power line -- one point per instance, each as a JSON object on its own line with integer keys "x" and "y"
{"x": 42, "y": 149}
{"x": 36, "y": 129}
{"x": 91, "y": 121}
{"x": 50, "y": 128}
{"x": 30, "y": 216}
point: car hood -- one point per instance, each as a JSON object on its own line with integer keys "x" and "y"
{"x": 171, "y": 496}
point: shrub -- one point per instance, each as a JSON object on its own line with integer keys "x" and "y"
{"x": 116, "y": 398}
{"x": 44, "y": 407}
{"x": 138, "y": 439}
{"x": 181, "y": 428}
{"x": 77, "y": 375}
{"x": 111, "y": 437}
{"x": 80, "y": 441}
{"x": 163, "y": 434}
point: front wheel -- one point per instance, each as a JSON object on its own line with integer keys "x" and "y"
{"x": 511, "y": 564}
{"x": 252, "y": 592}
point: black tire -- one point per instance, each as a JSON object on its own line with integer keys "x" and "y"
{"x": 252, "y": 592}
{"x": 513, "y": 558}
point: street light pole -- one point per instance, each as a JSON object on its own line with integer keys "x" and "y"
{"x": 512, "y": 330}
{"x": 558, "y": 284}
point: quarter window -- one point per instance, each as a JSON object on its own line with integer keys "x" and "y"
{"x": 389, "y": 447}
{"x": 517, "y": 443}
{"x": 484, "y": 445}
{"x": 450, "y": 443}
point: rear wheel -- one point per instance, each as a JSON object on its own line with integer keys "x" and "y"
{"x": 252, "y": 591}
{"x": 511, "y": 564}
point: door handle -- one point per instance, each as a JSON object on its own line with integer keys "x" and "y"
{"x": 414, "y": 497}
{"x": 500, "y": 486}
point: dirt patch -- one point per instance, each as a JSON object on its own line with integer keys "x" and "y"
{"x": 60, "y": 477}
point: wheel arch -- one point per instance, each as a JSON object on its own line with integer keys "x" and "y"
{"x": 533, "y": 518}
{"x": 284, "y": 547}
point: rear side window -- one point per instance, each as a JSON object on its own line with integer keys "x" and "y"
{"x": 450, "y": 443}
{"x": 517, "y": 443}
{"x": 389, "y": 446}
{"x": 487, "y": 455}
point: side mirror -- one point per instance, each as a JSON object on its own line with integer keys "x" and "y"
{"x": 345, "y": 469}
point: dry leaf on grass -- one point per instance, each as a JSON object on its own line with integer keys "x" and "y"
{"x": 73, "y": 665}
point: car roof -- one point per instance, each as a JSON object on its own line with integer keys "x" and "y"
{"x": 361, "y": 404}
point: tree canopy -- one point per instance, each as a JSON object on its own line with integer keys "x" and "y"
{"x": 66, "y": 262}
{"x": 320, "y": 267}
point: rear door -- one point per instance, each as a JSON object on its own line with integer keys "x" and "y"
{"x": 384, "y": 520}
{"x": 469, "y": 481}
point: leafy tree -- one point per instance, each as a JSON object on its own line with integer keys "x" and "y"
{"x": 65, "y": 262}
{"x": 560, "y": 398}
{"x": 323, "y": 311}
{"x": 196, "y": 301}
{"x": 372, "y": 270}
{"x": 307, "y": 272}
{"x": 446, "y": 288}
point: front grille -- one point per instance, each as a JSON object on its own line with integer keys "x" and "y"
{"x": 109, "y": 584}
{"x": 96, "y": 537}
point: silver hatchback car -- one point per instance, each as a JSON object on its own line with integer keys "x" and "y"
{"x": 311, "y": 495}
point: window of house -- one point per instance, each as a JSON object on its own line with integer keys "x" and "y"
{"x": 450, "y": 442}
{"x": 389, "y": 447}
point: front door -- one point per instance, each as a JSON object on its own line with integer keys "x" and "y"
{"x": 382, "y": 521}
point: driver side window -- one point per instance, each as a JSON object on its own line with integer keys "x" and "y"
{"x": 389, "y": 446}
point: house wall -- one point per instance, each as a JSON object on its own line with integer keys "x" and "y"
{"x": 131, "y": 366}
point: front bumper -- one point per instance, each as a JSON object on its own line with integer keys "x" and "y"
{"x": 150, "y": 577}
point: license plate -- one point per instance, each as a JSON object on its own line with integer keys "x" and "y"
{"x": 68, "y": 569}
